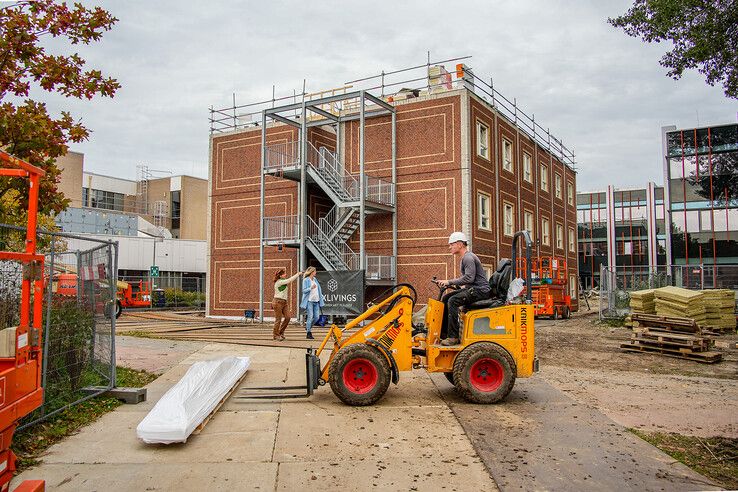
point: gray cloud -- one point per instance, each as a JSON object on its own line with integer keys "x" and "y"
{"x": 601, "y": 92}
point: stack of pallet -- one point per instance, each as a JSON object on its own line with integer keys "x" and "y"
{"x": 678, "y": 302}
{"x": 671, "y": 337}
{"x": 720, "y": 305}
{"x": 643, "y": 302}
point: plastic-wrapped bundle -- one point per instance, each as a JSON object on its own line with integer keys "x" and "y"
{"x": 191, "y": 400}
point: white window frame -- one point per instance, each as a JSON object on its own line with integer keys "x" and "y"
{"x": 482, "y": 140}
{"x": 507, "y": 155}
{"x": 558, "y": 189}
{"x": 570, "y": 193}
{"x": 482, "y": 196}
{"x": 573, "y": 286}
{"x": 559, "y": 236}
{"x": 529, "y": 224}
{"x": 544, "y": 177}
{"x": 527, "y": 167}
{"x": 545, "y": 231}
{"x": 572, "y": 241}
{"x": 511, "y": 224}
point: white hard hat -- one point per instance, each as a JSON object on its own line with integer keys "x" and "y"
{"x": 457, "y": 236}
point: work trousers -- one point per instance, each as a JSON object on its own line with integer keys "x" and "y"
{"x": 281, "y": 316}
{"x": 452, "y": 302}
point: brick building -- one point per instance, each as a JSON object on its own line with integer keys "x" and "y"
{"x": 452, "y": 155}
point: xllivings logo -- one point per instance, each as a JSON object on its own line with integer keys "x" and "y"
{"x": 332, "y": 285}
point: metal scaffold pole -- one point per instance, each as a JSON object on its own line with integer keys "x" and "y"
{"x": 261, "y": 215}
{"x": 362, "y": 186}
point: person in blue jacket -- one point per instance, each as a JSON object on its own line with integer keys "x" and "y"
{"x": 312, "y": 299}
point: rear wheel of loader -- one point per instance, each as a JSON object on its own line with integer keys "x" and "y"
{"x": 359, "y": 375}
{"x": 484, "y": 373}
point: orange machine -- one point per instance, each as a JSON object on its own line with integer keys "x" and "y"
{"x": 20, "y": 364}
{"x": 129, "y": 294}
{"x": 549, "y": 286}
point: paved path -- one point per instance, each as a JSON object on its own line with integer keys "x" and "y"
{"x": 420, "y": 436}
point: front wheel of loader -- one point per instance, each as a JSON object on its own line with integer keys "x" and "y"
{"x": 484, "y": 373}
{"x": 359, "y": 375}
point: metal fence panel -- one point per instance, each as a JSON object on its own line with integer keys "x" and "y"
{"x": 79, "y": 332}
{"x": 616, "y": 284}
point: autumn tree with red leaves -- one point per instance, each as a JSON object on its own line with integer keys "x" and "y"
{"x": 27, "y": 130}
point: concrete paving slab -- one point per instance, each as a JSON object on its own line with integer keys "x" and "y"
{"x": 392, "y": 474}
{"x": 325, "y": 429}
{"x": 125, "y": 477}
{"x": 540, "y": 439}
{"x": 152, "y": 355}
{"x": 230, "y": 436}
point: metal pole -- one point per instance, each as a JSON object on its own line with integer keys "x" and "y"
{"x": 113, "y": 262}
{"x": 47, "y": 325}
{"x": 261, "y": 214}
{"x": 394, "y": 192}
{"x": 303, "y": 206}
{"x": 362, "y": 186}
{"x": 151, "y": 279}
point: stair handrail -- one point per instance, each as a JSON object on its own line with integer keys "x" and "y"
{"x": 281, "y": 155}
{"x": 324, "y": 160}
{"x": 349, "y": 258}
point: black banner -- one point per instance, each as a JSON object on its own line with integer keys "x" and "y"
{"x": 343, "y": 291}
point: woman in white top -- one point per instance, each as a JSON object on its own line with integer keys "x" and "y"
{"x": 312, "y": 299}
{"x": 279, "y": 304}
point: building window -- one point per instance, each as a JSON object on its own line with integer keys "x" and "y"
{"x": 527, "y": 168}
{"x": 544, "y": 177}
{"x": 175, "y": 208}
{"x": 509, "y": 219}
{"x": 559, "y": 236}
{"x": 483, "y": 220}
{"x": 573, "y": 287}
{"x": 557, "y": 186}
{"x": 106, "y": 200}
{"x": 570, "y": 194}
{"x": 507, "y": 156}
{"x": 529, "y": 224}
{"x": 572, "y": 241}
{"x": 546, "y": 232}
{"x": 482, "y": 140}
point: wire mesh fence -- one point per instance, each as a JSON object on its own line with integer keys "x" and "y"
{"x": 79, "y": 297}
{"x": 616, "y": 284}
{"x": 173, "y": 290}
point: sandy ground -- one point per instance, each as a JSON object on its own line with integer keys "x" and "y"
{"x": 645, "y": 391}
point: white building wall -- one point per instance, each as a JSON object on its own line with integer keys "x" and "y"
{"x": 108, "y": 183}
{"x": 137, "y": 253}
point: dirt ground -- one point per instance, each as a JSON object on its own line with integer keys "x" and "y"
{"x": 649, "y": 392}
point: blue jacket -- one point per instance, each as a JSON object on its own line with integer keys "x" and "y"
{"x": 306, "y": 293}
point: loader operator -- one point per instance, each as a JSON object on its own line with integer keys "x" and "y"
{"x": 473, "y": 283}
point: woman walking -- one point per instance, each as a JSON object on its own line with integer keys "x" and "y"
{"x": 312, "y": 299}
{"x": 279, "y": 304}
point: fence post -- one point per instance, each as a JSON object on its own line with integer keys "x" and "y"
{"x": 113, "y": 255}
{"x": 47, "y": 324}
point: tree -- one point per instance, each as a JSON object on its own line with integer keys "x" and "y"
{"x": 704, "y": 36}
{"x": 27, "y": 130}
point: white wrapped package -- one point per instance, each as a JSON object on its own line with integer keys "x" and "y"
{"x": 191, "y": 400}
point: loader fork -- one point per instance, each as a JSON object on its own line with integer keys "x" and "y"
{"x": 312, "y": 376}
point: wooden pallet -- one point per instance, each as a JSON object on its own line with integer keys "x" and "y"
{"x": 669, "y": 323}
{"x": 660, "y": 337}
{"x": 205, "y": 421}
{"x": 681, "y": 353}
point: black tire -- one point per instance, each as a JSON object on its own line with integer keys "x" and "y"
{"x": 355, "y": 363}
{"x": 556, "y": 313}
{"x": 118, "y": 309}
{"x": 567, "y": 313}
{"x": 472, "y": 374}
{"x": 449, "y": 376}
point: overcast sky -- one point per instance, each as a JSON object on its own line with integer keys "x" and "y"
{"x": 603, "y": 93}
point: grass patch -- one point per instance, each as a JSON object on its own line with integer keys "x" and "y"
{"x": 137, "y": 334}
{"x": 31, "y": 442}
{"x": 611, "y": 322}
{"x": 715, "y": 457}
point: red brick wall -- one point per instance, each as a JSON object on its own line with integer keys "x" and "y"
{"x": 429, "y": 194}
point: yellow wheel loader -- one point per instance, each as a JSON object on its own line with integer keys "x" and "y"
{"x": 497, "y": 345}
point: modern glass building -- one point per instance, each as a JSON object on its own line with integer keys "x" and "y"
{"x": 636, "y": 241}
{"x": 701, "y": 177}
